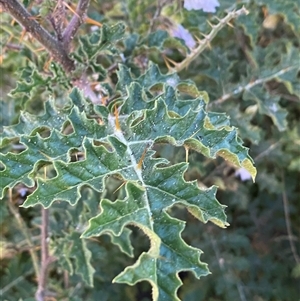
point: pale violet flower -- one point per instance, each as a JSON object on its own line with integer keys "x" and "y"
{"x": 208, "y": 6}
{"x": 243, "y": 174}
{"x": 180, "y": 32}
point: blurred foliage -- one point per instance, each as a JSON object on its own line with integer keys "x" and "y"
{"x": 250, "y": 71}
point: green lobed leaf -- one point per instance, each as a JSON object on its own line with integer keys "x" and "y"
{"x": 29, "y": 79}
{"x": 249, "y": 23}
{"x": 156, "y": 126}
{"x": 20, "y": 168}
{"x": 123, "y": 242}
{"x": 149, "y": 79}
{"x": 82, "y": 256}
{"x": 168, "y": 253}
{"x": 242, "y": 120}
{"x": 122, "y": 145}
{"x": 101, "y": 41}
{"x": 157, "y": 42}
{"x": 138, "y": 99}
{"x": 73, "y": 247}
{"x": 268, "y": 105}
{"x": 28, "y": 123}
{"x": 155, "y": 39}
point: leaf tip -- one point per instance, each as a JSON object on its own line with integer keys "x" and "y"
{"x": 248, "y": 165}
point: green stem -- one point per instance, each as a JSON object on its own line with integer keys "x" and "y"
{"x": 252, "y": 84}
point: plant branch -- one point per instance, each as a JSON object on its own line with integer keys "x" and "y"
{"x": 40, "y": 294}
{"x": 14, "y": 283}
{"x": 14, "y": 47}
{"x": 45, "y": 258}
{"x": 225, "y": 270}
{"x": 23, "y": 17}
{"x": 267, "y": 151}
{"x": 23, "y": 228}
{"x": 9, "y": 30}
{"x": 252, "y": 84}
{"x": 75, "y": 22}
{"x": 57, "y": 49}
{"x": 288, "y": 222}
{"x": 159, "y": 6}
{"x": 207, "y": 39}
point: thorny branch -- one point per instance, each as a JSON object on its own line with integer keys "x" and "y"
{"x": 75, "y": 22}
{"x": 207, "y": 39}
{"x": 23, "y": 17}
{"x": 58, "y": 49}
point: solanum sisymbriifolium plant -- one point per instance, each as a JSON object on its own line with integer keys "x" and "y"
{"x": 87, "y": 158}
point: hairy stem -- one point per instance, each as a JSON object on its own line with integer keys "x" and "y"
{"x": 23, "y": 17}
